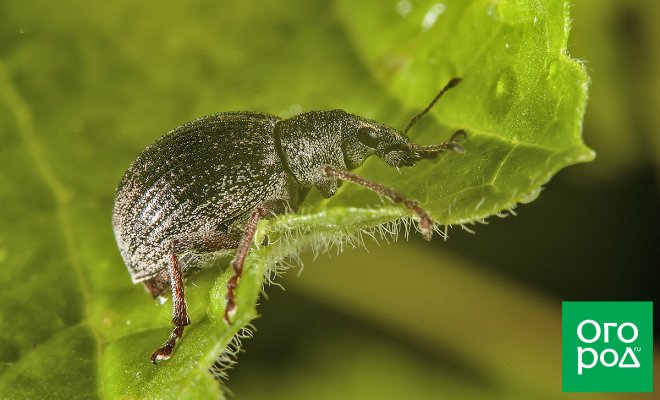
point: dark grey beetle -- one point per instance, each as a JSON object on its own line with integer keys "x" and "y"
{"x": 203, "y": 187}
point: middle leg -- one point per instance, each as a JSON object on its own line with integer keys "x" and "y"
{"x": 239, "y": 260}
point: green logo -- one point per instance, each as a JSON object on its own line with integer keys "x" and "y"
{"x": 607, "y": 346}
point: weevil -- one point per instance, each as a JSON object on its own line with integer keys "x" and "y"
{"x": 203, "y": 187}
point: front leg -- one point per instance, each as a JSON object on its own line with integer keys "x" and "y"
{"x": 425, "y": 221}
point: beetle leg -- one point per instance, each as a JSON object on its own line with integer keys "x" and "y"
{"x": 200, "y": 242}
{"x": 239, "y": 259}
{"x": 180, "y": 312}
{"x": 425, "y": 221}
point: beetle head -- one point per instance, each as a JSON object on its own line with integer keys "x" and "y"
{"x": 390, "y": 145}
{"x": 370, "y": 138}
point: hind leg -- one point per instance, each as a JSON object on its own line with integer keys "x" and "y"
{"x": 203, "y": 242}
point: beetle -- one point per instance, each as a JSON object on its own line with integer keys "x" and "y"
{"x": 203, "y": 187}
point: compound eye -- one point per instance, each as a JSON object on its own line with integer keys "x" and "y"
{"x": 368, "y": 137}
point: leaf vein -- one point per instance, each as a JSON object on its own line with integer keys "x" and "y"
{"x": 62, "y": 195}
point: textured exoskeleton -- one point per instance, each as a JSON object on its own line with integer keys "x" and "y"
{"x": 203, "y": 187}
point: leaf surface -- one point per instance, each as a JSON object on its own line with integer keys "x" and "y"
{"x": 85, "y": 87}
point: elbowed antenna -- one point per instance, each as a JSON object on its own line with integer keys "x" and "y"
{"x": 413, "y": 121}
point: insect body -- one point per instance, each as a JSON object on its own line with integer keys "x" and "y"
{"x": 203, "y": 187}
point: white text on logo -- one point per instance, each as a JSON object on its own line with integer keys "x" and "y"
{"x": 608, "y": 357}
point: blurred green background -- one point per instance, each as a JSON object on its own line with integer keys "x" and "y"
{"x": 475, "y": 317}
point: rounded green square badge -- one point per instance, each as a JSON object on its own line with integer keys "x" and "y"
{"x": 607, "y": 346}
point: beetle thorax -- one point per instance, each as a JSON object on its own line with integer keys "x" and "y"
{"x": 311, "y": 140}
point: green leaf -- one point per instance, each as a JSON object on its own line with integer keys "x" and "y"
{"x": 84, "y": 87}
{"x": 521, "y": 100}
